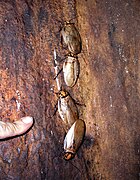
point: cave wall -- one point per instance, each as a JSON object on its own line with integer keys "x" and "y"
{"x": 108, "y": 84}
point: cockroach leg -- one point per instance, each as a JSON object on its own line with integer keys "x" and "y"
{"x": 56, "y": 108}
{"x": 58, "y": 73}
{"x": 78, "y": 103}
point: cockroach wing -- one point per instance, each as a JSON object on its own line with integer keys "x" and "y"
{"x": 71, "y": 71}
{"x": 67, "y": 111}
{"x": 74, "y": 45}
{"x": 74, "y": 136}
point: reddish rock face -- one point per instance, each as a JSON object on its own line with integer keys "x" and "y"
{"x": 108, "y": 85}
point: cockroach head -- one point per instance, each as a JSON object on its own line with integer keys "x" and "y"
{"x": 70, "y": 54}
{"x": 65, "y": 23}
{"x": 62, "y": 93}
{"x": 68, "y": 156}
{"x": 69, "y": 22}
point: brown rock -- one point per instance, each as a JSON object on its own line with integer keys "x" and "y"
{"x": 108, "y": 85}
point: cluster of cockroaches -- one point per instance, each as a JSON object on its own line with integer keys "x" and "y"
{"x": 74, "y": 127}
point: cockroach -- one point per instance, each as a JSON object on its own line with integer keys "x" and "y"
{"x": 74, "y": 139}
{"x": 71, "y": 37}
{"x": 71, "y": 69}
{"x": 67, "y": 109}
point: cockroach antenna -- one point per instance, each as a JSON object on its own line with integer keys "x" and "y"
{"x": 75, "y": 167}
{"x": 60, "y": 157}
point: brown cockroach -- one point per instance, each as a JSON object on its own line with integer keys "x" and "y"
{"x": 71, "y": 37}
{"x": 71, "y": 69}
{"x": 67, "y": 109}
{"x": 74, "y": 139}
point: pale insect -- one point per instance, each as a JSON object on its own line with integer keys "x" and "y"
{"x": 74, "y": 139}
{"x": 71, "y": 37}
{"x": 71, "y": 68}
{"x": 67, "y": 109}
